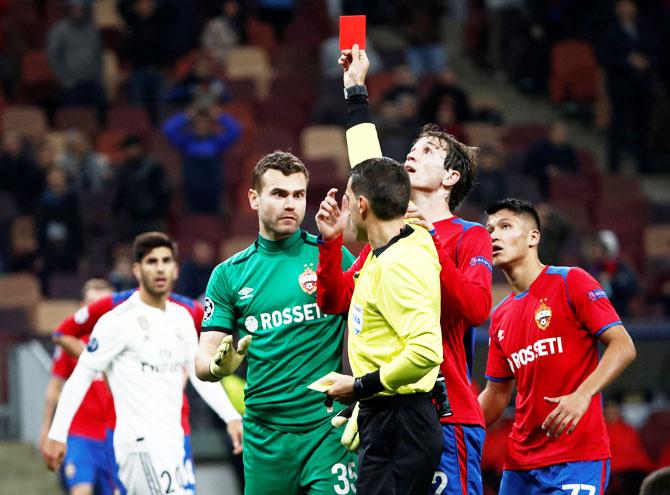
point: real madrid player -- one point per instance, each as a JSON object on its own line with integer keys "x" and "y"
{"x": 545, "y": 336}
{"x": 268, "y": 293}
{"x": 146, "y": 347}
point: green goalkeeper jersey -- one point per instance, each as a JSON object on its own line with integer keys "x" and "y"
{"x": 268, "y": 291}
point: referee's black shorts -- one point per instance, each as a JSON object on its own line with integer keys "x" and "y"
{"x": 400, "y": 445}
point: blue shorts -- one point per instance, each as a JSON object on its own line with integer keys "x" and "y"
{"x": 88, "y": 461}
{"x": 568, "y": 478}
{"x": 459, "y": 471}
{"x": 189, "y": 465}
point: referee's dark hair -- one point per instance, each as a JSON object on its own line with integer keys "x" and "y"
{"x": 148, "y": 241}
{"x": 657, "y": 483}
{"x": 460, "y": 157}
{"x": 385, "y": 184}
{"x": 518, "y": 206}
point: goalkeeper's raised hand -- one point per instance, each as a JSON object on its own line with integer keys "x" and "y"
{"x": 226, "y": 359}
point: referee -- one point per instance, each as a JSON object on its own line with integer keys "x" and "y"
{"x": 394, "y": 335}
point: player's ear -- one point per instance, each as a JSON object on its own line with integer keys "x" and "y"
{"x": 252, "y": 194}
{"x": 533, "y": 238}
{"x": 363, "y": 206}
{"x": 450, "y": 177}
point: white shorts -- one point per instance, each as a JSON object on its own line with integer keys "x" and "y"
{"x": 153, "y": 473}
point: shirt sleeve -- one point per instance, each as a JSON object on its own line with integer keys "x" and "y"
{"x": 63, "y": 364}
{"x": 362, "y": 139}
{"x": 409, "y": 299}
{"x": 497, "y": 366}
{"x": 219, "y": 311}
{"x": 467, "y": 286}
{"x": 107, "y": 341}
{"x": 82, "y": 322}
{"x": 590, "y": 302}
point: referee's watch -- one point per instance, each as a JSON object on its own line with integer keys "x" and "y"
{"x": 358, "y": 89}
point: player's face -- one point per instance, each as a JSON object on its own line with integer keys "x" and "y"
{"x": 93, "y": 295}
{"x": 513, "y": 236}
{"x": 280, "y": 203}
{"x": 425, "y": 164}
{"x": 157, "y": 272}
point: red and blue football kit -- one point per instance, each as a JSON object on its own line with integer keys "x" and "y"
{"x": 464, "y": 250}
{"x": 546, "y": 339}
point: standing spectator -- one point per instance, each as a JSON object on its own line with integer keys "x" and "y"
{"x": 195, "y": 271}
{"x": 201, "y": 143}
{"x": 224, "y": 32}
{"x": 556, "y": 231}
{"x": 425, "y": 52}
{"x": 33, "y": 179}
{"x": 121, "y": 276}
{"x": 74, "y": 49}
{"x": 13, "y": 159}
{"x": 58, "y": 228}
{"x": 627, "y": 51}
{"x": 201, "y": 86}
{"x": 144, "y": 47}
{"x": 491, "y": 185}
{"x": 502, "y": 16}
{"x": 447, "y": 89}
{"x": 143, "y": 195}
{"x": 88, "y": 169}
{"x": 550, "y": 157}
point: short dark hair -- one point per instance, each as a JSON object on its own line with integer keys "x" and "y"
{"x": 460, "y": 157}
{"x": 286, "y": 163}
{"x": 518, "y": 206}
{"x": 148, "y": 241}
{"x": 385, "y": 184}
{"x": 657, "y": 483}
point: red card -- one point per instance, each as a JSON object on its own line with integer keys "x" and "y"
{"x": 352, "y": 31}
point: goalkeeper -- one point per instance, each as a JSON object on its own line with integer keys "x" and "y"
{"x": 266, "y": 295}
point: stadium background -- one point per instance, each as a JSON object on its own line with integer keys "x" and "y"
{"x": 514, "y": 71}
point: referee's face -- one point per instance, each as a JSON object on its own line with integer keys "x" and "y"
{"x": 280, "y": 204}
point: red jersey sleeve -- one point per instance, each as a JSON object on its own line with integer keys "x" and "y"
{"x": 468, "y": 285}
{"x": 334, "y": 287}
{"x": 497, "y": 367}
{"x": 82, "y": 322}
{"x": 590, "y": 302}
{"x": 63, "y": 364}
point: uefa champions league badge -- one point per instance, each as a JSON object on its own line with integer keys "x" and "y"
{"x": 543, "y": 315}
{"x": 209, "y": 309}
{"x": 307, "y": 279}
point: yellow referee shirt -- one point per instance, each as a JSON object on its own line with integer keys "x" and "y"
{"x": 394, "y": 318}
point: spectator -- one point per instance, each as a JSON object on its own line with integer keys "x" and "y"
{"x": 33, "y": 180}
{"x": 503, "y": 14}
{"x": 88, "y": 170}
{"x": 447, "y": 89}
{"x": 277, "y": 13}
{"x": 490, "y": 186}
{"x": 628, "y": 54}
{"x": 601, "y": 259}
{"x": 147, "y": 24}
{"x": 550, "y": 157}
{"x": 556, "y": 231}
{"x": 13, "y": 159}
{"x": 121, "y": 276}
{"x": 224, "y": 32}
{"x": 74, "y": 50}
{"x": 58, "y": 227}
{"x": 201, "y": 86}
{"x": 143, "y": 196}
{"x": 445, "y": 117}
{"x": 195, "y": 271}
{"x": 425, "y": 52}
{"x": 194, "y": 134}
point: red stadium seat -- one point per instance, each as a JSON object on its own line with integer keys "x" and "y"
{"x": 37, "y": 79}
{"x": 656, "y": 432}
{"x": 81, "y": 118}
{"x": 30, "y": 121}
{"x": 574, "y": 72}
{"x": 519, "y": 137}
{"x": 109, "y": 142}
{"x": 130, "y": 118}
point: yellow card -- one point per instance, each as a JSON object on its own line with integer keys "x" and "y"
{"x": 325, "y": 382}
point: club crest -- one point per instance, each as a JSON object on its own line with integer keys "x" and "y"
{"x": 543, "y": 315}
{"x": 307, "y": 280}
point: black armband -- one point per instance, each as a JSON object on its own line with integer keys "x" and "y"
{"x": 367, "y": 385}
{"x": 358, "y": 110}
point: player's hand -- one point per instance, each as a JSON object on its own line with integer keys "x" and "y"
{"x": 355, "y": 63}
{"x": 567, "y": 413}
{"x": 342, "y": 390}
{"x": 226, "y": 359}
{"x": 234, "y": 428}
{"x": 53, "y": 453}
{"x": 349, "y": 417}
{"x": 416, "y": 216}
{"x": 331, "y": 219}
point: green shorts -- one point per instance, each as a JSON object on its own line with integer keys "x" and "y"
{"x": 284, "y": 463}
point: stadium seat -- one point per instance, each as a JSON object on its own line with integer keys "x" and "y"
{"x": 657, "y": 241}
{"x": 243, "y": 90}
{"x": 568, "y": 187}
{"x": 49, "y": 313}
{"x": 233, "y": 245}
{"x": 656, "y": 432}
{"x": 81, "y": 118}
{"x": 15, "y": 321}
{"x": 271, "y": 138}
{"x": 19, "y": 290}
{"x": 574, "y": 72}
{"x": 133, "y": 119}
{"x": 479, "y": 134}
{"x": 37, "y": 79}
{"x": 30, "y": 121}
{"x": 23, "y": 241}
{"x": 192, "y": 227}
{"x": 261, "y": 35}
{"x": 282, "y": 112}
{"x": 378, "y": 84}
{"x": 109, "y": 142}
{"x": 519, "y": 137}
{"x": 319, "y": 142}
{"x": 66, "y": 285}
{"x": 250, "y": 62}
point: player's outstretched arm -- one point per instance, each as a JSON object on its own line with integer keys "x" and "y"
{"x": 494, "y": 399}
{"x": 619, "y": 353}
{"x": 51, "y": 396}
{"x": 217, "y": 357}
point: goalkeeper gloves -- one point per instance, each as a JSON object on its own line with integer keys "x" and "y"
{"x": 349, "y": 416}
{"x": 226, "y": 359}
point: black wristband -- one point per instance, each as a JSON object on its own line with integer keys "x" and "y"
{"x": 367, "y": 385}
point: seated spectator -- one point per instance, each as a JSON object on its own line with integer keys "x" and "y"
{"x": 74, "y": 50}
{"x": 556, "y": 231}
{"x": 88, "y": 170}
{"x": 224, "y": 32}
{"x": 195, "y": 271}
{"x": 446, "y": 119}
{"x": 201, "y": 86}
{"x": 58, "y": 227}
{"x": 601, "y": 259}
{"x": 630, "y": 461}
{"x": 447, "y": 89}
{"x": 32, "y": 181}
{"x": 143, "y": 194}
{"x": 202, "y": 134}
{"x": 13, "y": 161}
{"x": 425, "y": 53}
{"x": 490, "y": 186}
{"x": 551, "y": 156}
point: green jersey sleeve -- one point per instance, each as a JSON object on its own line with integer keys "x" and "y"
{"x": 219, "y": 312}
